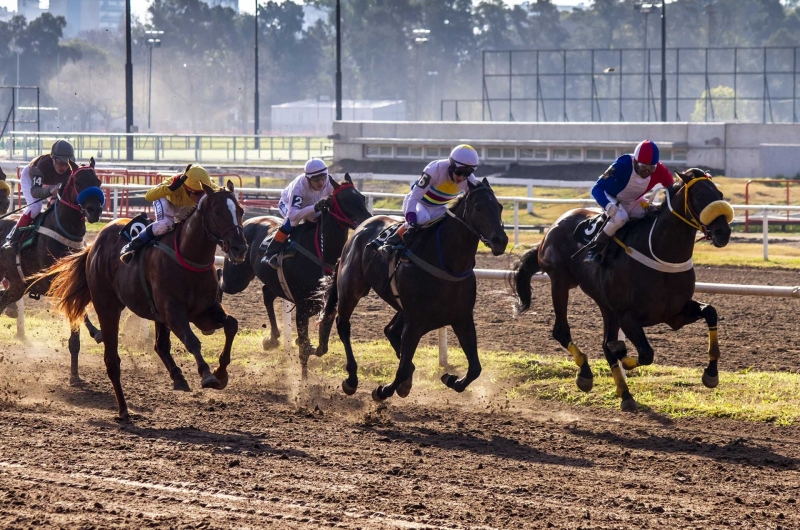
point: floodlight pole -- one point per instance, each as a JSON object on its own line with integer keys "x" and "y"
{"x": 664, "y": 61}
{"x": 338, "y": 60}
{"x": 255, "y": 95}
{"x": 128, "y": 82}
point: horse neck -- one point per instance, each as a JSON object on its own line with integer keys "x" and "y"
{"x": 334, "y": 236}
{"x": 69, "y": 219}
{"x": 194, "y": 244}
{"x": 458, "y": 245}
{"x": 673, "y": 240}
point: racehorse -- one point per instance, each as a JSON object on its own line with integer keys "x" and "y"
{"x": 172, "y": 282}
{"x": 635, "y": 291}
{"x": 63, "y": 227}
{"x": 434, "y": 288}
{"x": 346, "y": 210}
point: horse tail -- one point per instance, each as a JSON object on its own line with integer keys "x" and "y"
{"x": 330, "y": 293}
{"x": 527, "y": 266}
{"x": 69, "y": 285}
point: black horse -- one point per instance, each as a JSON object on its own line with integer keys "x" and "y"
{"x": 61, "y": 233}
{"x": 346, "y": 209}
{"x": 633, "y": 295}
{"x": 435, "y": 288}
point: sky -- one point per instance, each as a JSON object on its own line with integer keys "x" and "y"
{"x": 139, "y": 7}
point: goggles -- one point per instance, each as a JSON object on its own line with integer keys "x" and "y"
{"x": 646, "y": 167}
{"x": 464, "y": 171}
{"x": 318, "y": 178}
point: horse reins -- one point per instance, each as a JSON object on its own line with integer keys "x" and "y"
{"x": 336, "y": 210}
{"x": 694, "y": 218}
{"x": 71, "y": 183}
{"x": 217, "y": 240}
{"x": 465, "y": 221}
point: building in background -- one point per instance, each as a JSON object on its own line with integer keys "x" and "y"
{"x": 81, "y": 15}
{"x": 315, "y": 116}
{"x": 29, "y": 9}
{"x": 233, "y": 4}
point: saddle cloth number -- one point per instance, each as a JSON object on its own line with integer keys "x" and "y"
{"x": 387, "y": 232}
{"x": 588, "y": 228}
{"x": 135, "y": 227}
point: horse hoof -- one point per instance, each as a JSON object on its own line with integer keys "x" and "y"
{"x": 181, "y": 385}
{"x": 75, "y": 380}
{"x": 319, "y": 351}
{"x": 376, "y": 396}
{"x": 209, "y": 381}
{"x": 269, "y": 343}
{"x": 123, "y": 416}
{"x": 222, "y": 377}
{"x": 629, "y": 363}
{"x": 208, "y": 332}
{"x": 11, "y": 311}
{"x": 449, "y": 380}
{"x": 629, "y": 405}
{"x": 585, "y": 383}
{"x": 98, "y": 337}
{"x": 405, "y": 388}
{"x": 347, "y": 389}
{"x": 710, "y": 381}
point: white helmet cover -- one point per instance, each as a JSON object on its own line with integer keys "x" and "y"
{"x": 315, "y": 167}
{"x": 464, "y": 155}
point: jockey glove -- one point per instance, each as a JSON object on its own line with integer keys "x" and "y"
{"x": 177, "y": 182}
{"x": 321, "y": 205}
{"x": 612, "y": 209}
{"x": 411, "y": 218}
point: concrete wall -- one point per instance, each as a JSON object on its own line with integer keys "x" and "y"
{"x": 733, "y": 149}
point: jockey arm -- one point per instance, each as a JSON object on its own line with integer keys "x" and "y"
{"x": 299, "y": 208}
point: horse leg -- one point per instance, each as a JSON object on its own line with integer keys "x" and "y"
{"x": 468, "y": 339}
{"x": 274, "y": 332}
{"x": 405, "y": 369}
{"x": 214, "y": 318}
{"x": 394, "y": 332}
{"x": 349, "y": 295}
{"x": 74, "y": 344}
{"x": 559, "y": 291}
{"x": 325, "y": 326}
{"x": 302, "y": 316}
{"x": 96, "y": 333}
{"x": 635, "y": 333}
{"x": 109, "y": 322}
{"x": 178, "y": 323}
{"x": 614, "y": 350}
{"x": 163, "y": 347}
{"x": 692, "y": 312}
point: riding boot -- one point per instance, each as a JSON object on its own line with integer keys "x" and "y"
{"x": 596, "y": 250}
{"x": 12, "y": 240}
{"x": 129, "y": 251}
{"x": 274, "y": 248}
{"x": 393, "y": 243}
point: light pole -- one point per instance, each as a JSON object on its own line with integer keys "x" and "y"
{"x": 420, "y": 38}
{"x": 256, "y": 128}
{"x": 338, "y": 61}
{"x": 152, "y": 41}
{"x": 645, "y": 9}
{"x": 664, "y": 61}
{"x": 128, "y": 83}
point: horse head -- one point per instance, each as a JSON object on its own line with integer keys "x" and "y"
{"x": 347, "y": 204}
{"x": 705, "y": 206}
{"x": 222, "y": 221}
{"x": 83, "y": 187}
{"x": 483, "y": 214}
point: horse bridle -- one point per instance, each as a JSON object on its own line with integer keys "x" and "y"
{"x": 688, "y": 210}
{"x": 465, "y": 221}
{"x": 219, "y": 240}
{"x": 336, "y": 210}
{"x": 71, "y": 182}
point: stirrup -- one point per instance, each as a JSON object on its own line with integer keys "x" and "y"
{"x": 126, "y": 254}
{"x": 272, "y": 261}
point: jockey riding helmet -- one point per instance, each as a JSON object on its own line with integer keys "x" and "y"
{"x": 62, "y": 150}
{"x": 463, "y": 159}
{"x": 196, "y": 176}
{"x": 315, "y": 168}
{"x": 646, "y": 153}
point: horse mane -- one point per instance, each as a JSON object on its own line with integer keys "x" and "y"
{"x": 455, "y": 203}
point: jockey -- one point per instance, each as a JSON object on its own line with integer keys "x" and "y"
{"x": 620, "y": 192}
{"x": 172, "y": 200}
{"x": 39, "y": 180}
{"x": 302, "y": 200}
{"x": 441, "y": 181}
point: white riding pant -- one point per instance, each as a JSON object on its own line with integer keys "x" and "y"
{"x": 167, "y": 215}
{"x": 630, "y": 210}
{"x": 33, "y": 208}
{"x": 425, "y": 212}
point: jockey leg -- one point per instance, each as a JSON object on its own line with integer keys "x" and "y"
{"x": 403, "y": 237}
{"x": 137, "y": 243}
{"x": 596, "y": 250}
{"x": 276, "y": 245}
{"x": 12, "y": 240}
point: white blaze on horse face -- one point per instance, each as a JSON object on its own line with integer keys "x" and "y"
{"x": 232, "y": 208}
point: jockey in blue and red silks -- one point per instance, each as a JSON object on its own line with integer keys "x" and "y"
{"x": 620, "y": 192}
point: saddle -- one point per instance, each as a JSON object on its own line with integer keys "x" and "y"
{"x": 389, "y": 232}
{"x": 29, "y": 234}
{"x": 289, "y": 249}
{"x": 135, "y": 227}
{"x": 587, "y": 229}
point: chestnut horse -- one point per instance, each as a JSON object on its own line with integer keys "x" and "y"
{"x": 633, "y": 290}
{"x": 61, "y": 233}
{"x": 172, "y": 282}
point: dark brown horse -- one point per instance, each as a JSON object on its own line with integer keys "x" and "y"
{"x": 436, "y": 286}
{"x": 61, "y": 233}
{"x": 633, "y": 295}
{"x": 346, "y": 210}
{"x": 173, "y": 283}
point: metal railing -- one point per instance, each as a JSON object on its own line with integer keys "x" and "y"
{"x": 200, "y": 148}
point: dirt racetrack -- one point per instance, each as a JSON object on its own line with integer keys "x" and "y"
{"x": 263, "y": 453}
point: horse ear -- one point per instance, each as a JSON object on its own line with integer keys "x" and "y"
{"x": 333, "y": 182}
{"x": 685, "y": 177}
{"x": 208, "y": 189}
{"x": 485, "y": 182}
{"x": 91, "y": 162}
{"x": 230, "y": 186}
{"x": 347, "y": 178}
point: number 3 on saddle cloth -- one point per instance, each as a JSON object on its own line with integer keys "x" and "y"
{"x": 587, "y": 229}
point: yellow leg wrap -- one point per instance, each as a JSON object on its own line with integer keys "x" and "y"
{"x": 619, "y": 380}
{"x": 629, "y": 363}
{"x": 577, "y": 355}
{"x": 713, "y": 344}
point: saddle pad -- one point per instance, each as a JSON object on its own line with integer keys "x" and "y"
{"x": 588, "y": 228}
{"x": 135, "y": 227}
{"x": 386, "y": 233}
{"x": 29, "y": 233}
